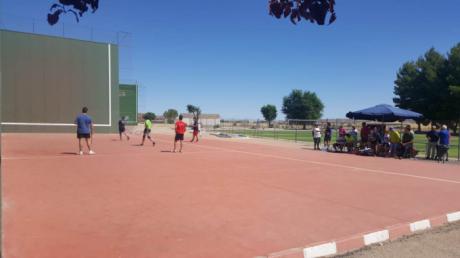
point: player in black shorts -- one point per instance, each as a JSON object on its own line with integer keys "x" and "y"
{"x": 122, "y": 128}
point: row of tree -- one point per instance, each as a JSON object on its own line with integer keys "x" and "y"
{"x": 303, "y": 105}
{"x": 431, "y": 86}
{"x": 171, "y": 114}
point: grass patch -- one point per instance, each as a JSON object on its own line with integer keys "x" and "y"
{"x": 306, "y": 136}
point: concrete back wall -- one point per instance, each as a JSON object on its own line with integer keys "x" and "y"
{"x": 47, "y": 80}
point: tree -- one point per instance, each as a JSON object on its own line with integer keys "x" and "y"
{"x": 419, "y": 84}
{"x": 170, "y": 115}
{"x": 150, "y": 116}
{"x": 453, "y": 79}
{"x": 196, "y": 111}
{"x": 302, "y": 105}
{"x": 269, "y": 112}
{"x": 428, "y": 85}
{"x": 75, "y": 7}
{"x": 309, "y": 10}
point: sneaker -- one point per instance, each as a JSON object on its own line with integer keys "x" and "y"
{"x": 80, "y": 153}
{"x": 153, "y": 144}
{"x": 91, "y": 152}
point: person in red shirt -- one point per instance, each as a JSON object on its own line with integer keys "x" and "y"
{"x": 181, "y": 127}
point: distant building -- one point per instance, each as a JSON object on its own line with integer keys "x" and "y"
{"x": 160, "y": 120}
{"x": 206, "y": 120}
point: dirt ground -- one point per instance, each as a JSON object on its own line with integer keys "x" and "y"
{"x": 441, "y": 242}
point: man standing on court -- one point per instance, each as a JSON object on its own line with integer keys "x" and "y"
{"x": 196, "y": 130}
{"x": 122, "y": 128}
{"x": 181, "y": 127}
{"x": 84, "y": 131}
{"x": 147, "y": 130}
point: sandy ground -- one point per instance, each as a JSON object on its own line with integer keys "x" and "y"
{"x": 441, "y": 242}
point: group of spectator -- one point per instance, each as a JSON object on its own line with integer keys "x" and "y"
{"x": 438, "y": 142}
{"x": 377, "y": 140}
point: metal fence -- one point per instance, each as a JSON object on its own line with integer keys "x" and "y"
{"x": 301, "y": 132}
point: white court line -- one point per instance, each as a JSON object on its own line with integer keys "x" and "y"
{"x": 374, "y": 171}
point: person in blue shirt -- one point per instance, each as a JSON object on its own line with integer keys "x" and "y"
{"x": 444, "y": 142}
{"x": 84, "y": 131}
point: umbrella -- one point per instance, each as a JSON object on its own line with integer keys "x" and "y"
{"x": 384, "y": 113}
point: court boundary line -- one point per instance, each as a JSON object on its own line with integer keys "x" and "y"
{"x": 109, "y": 58}
{"x": 374, "y": 171}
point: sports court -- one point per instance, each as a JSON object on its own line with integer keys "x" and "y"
{"x": 220, "y": 198}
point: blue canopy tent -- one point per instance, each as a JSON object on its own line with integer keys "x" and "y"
{"x": 384, "y": 113}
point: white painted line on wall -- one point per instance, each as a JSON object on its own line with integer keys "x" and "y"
{"x": 320, "y": 250}
{"x": 453, "y": 217}
{"x": 376, "y": 237}
{"x": 110, "y": 84}
{"x": 420, "y": 225}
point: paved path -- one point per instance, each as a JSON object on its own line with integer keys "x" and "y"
{"x": 441, "y": 242}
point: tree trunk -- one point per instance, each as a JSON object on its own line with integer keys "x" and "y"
{"x": 419, "y": 127}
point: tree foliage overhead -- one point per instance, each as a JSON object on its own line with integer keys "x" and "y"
{"x": 170, "y": 115}
{"x": 315, "y": 11}
{"x": 75, "y": 7}
{"x": 429, "y": 86}
{"x": 195, "y": 110}
{"x": 302, "y": 105}
{"x": 150, "y": 116}
{"x": 269, "y": 112}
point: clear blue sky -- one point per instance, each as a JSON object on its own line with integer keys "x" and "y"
{"x": 231, "y": 57}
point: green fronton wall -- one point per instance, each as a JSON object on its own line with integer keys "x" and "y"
{"x": 128, "y": 102}
{"x": 47, "y": 80}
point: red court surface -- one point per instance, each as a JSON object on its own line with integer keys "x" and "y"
{"x": 217, "y": 199}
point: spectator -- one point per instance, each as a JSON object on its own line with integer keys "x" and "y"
{"x": 408, "y": 142}
{"x": 341, "y": 142}
{"x": 444, "y": 142}
{"x": 375, "y": 139}
{"x": 385, "y": 147}
{"x": 350, "y": 142}
{"x": 432, "y": 144}
{"x": 364, "y": 134}
{"x": 316, "y": 133}
{"x": 327, "y": 136}
{"x": 342, "y": 132}
{"x": 354, "y": 133}
{"x": 339, "y": 145}
{"x": 395, "y": 141}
